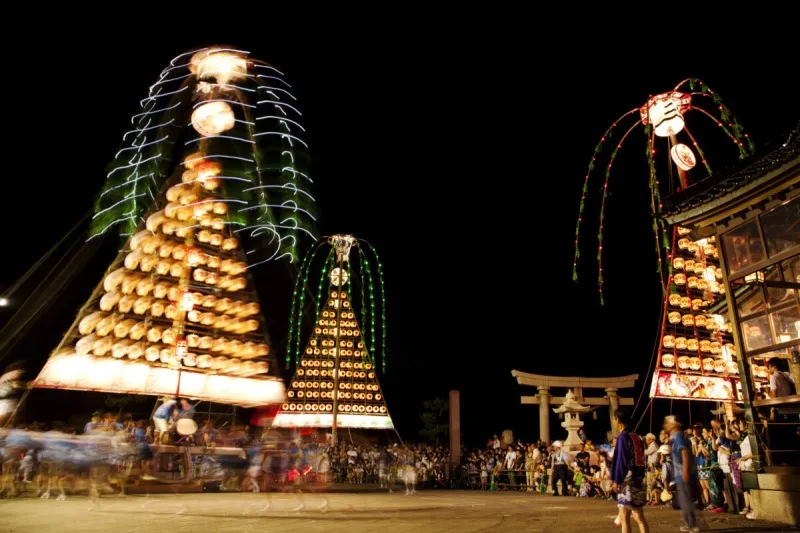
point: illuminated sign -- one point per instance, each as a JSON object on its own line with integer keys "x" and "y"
{"x": 84, "y": 372}
{"x": 691, "y": 387}
{"x": 286, "y": 420}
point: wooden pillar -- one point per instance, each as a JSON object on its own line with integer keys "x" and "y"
{"x": 455, "y": 429}
{"x": 544, "y": 414}
{"x": 613, "y": 405}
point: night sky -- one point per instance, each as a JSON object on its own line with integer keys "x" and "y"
{"x": 458, "y": 153}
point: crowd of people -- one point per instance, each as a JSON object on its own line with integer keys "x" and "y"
{"x": 698, "y": 467}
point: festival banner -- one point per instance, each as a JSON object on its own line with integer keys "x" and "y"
{"x": 693, "y": 387}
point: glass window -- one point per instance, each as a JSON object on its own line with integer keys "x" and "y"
{"x": 781, "y": 227}
{"x": 791, "y": 270}
{"x": 743, "y": 246}
{"x": 750, "y": 301}
{"x": 756, "y": 333}
{"x": 786, "y": 324}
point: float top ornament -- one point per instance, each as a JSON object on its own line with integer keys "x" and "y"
{"x": 230, "y": 122}
{"x": 662, "y": 116}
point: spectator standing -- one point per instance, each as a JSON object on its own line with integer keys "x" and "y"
{"x": 683, "y": 462}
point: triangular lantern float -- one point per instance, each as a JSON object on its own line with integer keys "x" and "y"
{"x": 214, "y": 162}
{"x": 340, "y": 356}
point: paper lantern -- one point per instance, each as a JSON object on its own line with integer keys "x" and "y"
{"x": 719, "y": 366}
{"x": 705, "y": 346}
{"x": 680, "y": 279}
{"x": 665, "y": 112}
{"x": 194, "y": 256}
{"x": 700, "y": 321}
{"x": 732, "y": 367}
{"x": 181, "y": 347}
{"x": 692, "y": 345}
{"x": 213, "y": 118}
{"x": 694, "y": 363}
{"x": 685, "y": 302}
{"x": 678, "y": 263}
{"x": 716, "y": 348}
{"x": 691, "y": 282}
{"x": 683, "y": 156}
{"x": 223, "y": 66}
{"x": 693, "y": 247}
{"x": 687, "y": 320}
{"x": 683, "y": 231}
{"x": 187, "y": 300}
{"x": 714, "y": 287}
{"x": 708, "y": 364}
{"x": 702, "y": 285}
{"x": 697, "y": 303}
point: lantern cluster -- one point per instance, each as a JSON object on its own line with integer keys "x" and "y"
{"x": 315, "y": 382}
{"x": 694, "y": 337}
{"x": 179, "y": 299}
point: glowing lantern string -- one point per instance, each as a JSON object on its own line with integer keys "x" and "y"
{"x": 668, "y": 111}
{"x": 373, "y": 295}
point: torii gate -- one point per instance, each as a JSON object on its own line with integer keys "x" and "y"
{"x": 577, "y": 384}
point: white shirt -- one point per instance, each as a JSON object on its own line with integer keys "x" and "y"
{"x": 652, "y": 454}
{"x": 511, "y": 458}
{"x": 746, "y": 465}
{"x": 496, "y": 444}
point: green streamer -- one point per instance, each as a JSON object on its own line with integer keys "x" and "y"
{"x": 300, "y": 287}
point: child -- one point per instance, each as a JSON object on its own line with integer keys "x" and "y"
{"x": 655, "y": 491}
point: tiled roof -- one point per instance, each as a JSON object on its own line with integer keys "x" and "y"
{"x": 723, "y": 183}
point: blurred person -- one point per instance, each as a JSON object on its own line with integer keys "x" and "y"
{"x": 161, "y": 419}
{"x": 11, "y": 389}
{"x": 628, "y": 475}
{"x": 685, "y": 476}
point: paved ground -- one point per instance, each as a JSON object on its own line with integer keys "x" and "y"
{"x": 430, "y": 511}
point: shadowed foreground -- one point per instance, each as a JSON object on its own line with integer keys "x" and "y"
{"x": 347, "y": 513}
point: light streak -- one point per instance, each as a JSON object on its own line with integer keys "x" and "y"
{"x": 126, "y": 199}
{"x": 287, "y": 152}
{"x": 224, "y": 157}
{"x": 187, "y": 143}
{"x": 154, "y": 111}
{"x": 283, "y": 104}
{"x": 282, "y": 119}
{"x": 140, "y": 146}
{"x": 274, "y": 78}
{"x": 158, "y": 155}
{"x": 159, "y": 95}
{"x": 124, "y": 183}
{"x": 269, "y": 67}
{"x": 284, "y": 135}
{"x": 290, "y": 186}
{"x": 268, "y": 89}
{"x": 141, "y": 130}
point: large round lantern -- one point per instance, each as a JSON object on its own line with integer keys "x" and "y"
{"x": 664, "y": 112}
{"x": 674, "y": 317}
{"x": 212, "y": 118}
{"x": 683, "y": 156}
{"x": 668, "y": 360}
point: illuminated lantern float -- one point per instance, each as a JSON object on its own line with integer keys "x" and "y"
{"x": 692, "y": 363}
{"x": 346, "y": 346}
{"x": 665, "y": 120}
{"x": 178, "y": 312}
{"x": 689, "y": 350}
